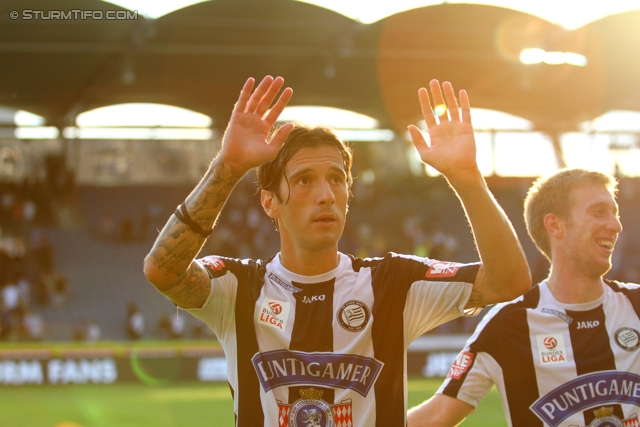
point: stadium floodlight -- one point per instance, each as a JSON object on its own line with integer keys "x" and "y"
{"x": 143, "y": 115}
{"x": 536, "y": 56}
{"x": 575, "y": 59}
{"x": 348, "y": 125}
{"x": 336, "y": 118}
{"x": 127, "y": 133}
{"x": 613, "y": 121}
{"x": 532, "y": 56}
{"x": 25, "y": 118}
{"x": 365, "y": 135}
{"x": 36, "y": 132}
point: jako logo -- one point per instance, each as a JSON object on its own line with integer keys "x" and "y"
{"x": 277, "y": 308}
{"x": 550, "y": 343}
{"x": 309, "y": 300}
{"x": 588, "y": 324}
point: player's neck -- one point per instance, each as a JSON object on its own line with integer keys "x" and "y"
{"x": 571, "y": 287}
{"x": 309, "y": 263}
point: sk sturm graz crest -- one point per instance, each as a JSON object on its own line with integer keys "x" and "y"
{"x": 353, "y": 316}
{"x": 311, "y": 411}
{"x": 605, "y": 418}
{"x": 627, "y": 339}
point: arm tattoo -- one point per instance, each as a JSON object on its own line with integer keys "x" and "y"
{"x": 192, "y": 291}
{"x": 212, "y": 193}
{"x": 177, "y": 246}
{"x": 174, "y": 249}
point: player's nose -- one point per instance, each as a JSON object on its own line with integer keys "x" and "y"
{"x": 326, "y": 194}
{"x": 614, "y": 224}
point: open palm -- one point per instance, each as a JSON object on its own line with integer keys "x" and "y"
{"x": 246, "y": 143}
{"x": 452, "y": 150}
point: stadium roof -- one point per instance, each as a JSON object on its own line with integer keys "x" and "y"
{"x": 199, "y": 56}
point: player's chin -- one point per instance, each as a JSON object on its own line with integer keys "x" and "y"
{"x": 328, "y": 228}
{"x": 601, "y": 267}
{"x": 326, "y": 239}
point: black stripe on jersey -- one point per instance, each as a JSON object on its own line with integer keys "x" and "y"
{"x": 313, "y": 326}
{"x": 248, "y": 393}
{"x": 591, "y": 348}
{"x": 506, "y": 339}
{"x": 590, "y": 341}
{"x": 387, "y": 334}
{"x": 632, "y": 294}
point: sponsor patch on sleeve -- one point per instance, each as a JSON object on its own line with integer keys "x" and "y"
{"x": 460, "y": 365}
{"x": 443, "y": 269}
{"x": 213, "y": 262}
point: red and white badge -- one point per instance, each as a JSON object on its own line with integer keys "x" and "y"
{"x": 274, "y": 313}
{"x": 214, "y": 262}
{"x": 460, "y": 365}
{"x": 551, "y": 349}
{"x": 443, "y": 269}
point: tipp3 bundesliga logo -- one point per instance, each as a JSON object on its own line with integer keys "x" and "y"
{"x": 274, "y": 313}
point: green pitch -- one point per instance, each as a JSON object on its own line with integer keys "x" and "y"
{"x": 180, "y": 404}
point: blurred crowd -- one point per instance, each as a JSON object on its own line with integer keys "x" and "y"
{"x": 29, "y": 279}
{"x": 413, "y": 215}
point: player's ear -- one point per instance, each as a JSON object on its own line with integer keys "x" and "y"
{"x": 554, "y": 225}
{"x": 270, "y": 203}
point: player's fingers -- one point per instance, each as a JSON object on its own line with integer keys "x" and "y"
{"x": 268, "y": 97}
{"x": 244, "y": 95}
{"x": 439, "y": 106}
{"x": 257, "y": 94}
{"x": 277, "y": 108}
{"x": 465, "y": 105}
{"x": 452, "y": 103}
{"x": 418, "y": 139}
{"x": 281, "y": 135}
{"x": 425, "y": 107}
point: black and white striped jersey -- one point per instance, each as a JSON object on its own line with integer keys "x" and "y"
{"x": 556, "y": 364}
{"x": 327, "y": 350}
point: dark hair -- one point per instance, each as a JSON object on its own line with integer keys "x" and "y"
{"x": 271, "y": 173}
{"x": 552, "y": 195}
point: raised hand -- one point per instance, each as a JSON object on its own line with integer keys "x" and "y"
{"x": 245, "y": 144}
{"x": 452, "y": 150}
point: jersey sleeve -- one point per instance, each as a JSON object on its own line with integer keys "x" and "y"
{"x": 438, "y": 295}
{"x": 218, "y": 310}
{"x": 475, "y": 370}
{"x": 477, "y": 380}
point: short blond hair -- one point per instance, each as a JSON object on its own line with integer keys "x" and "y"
{"x": 551, "y": 194}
